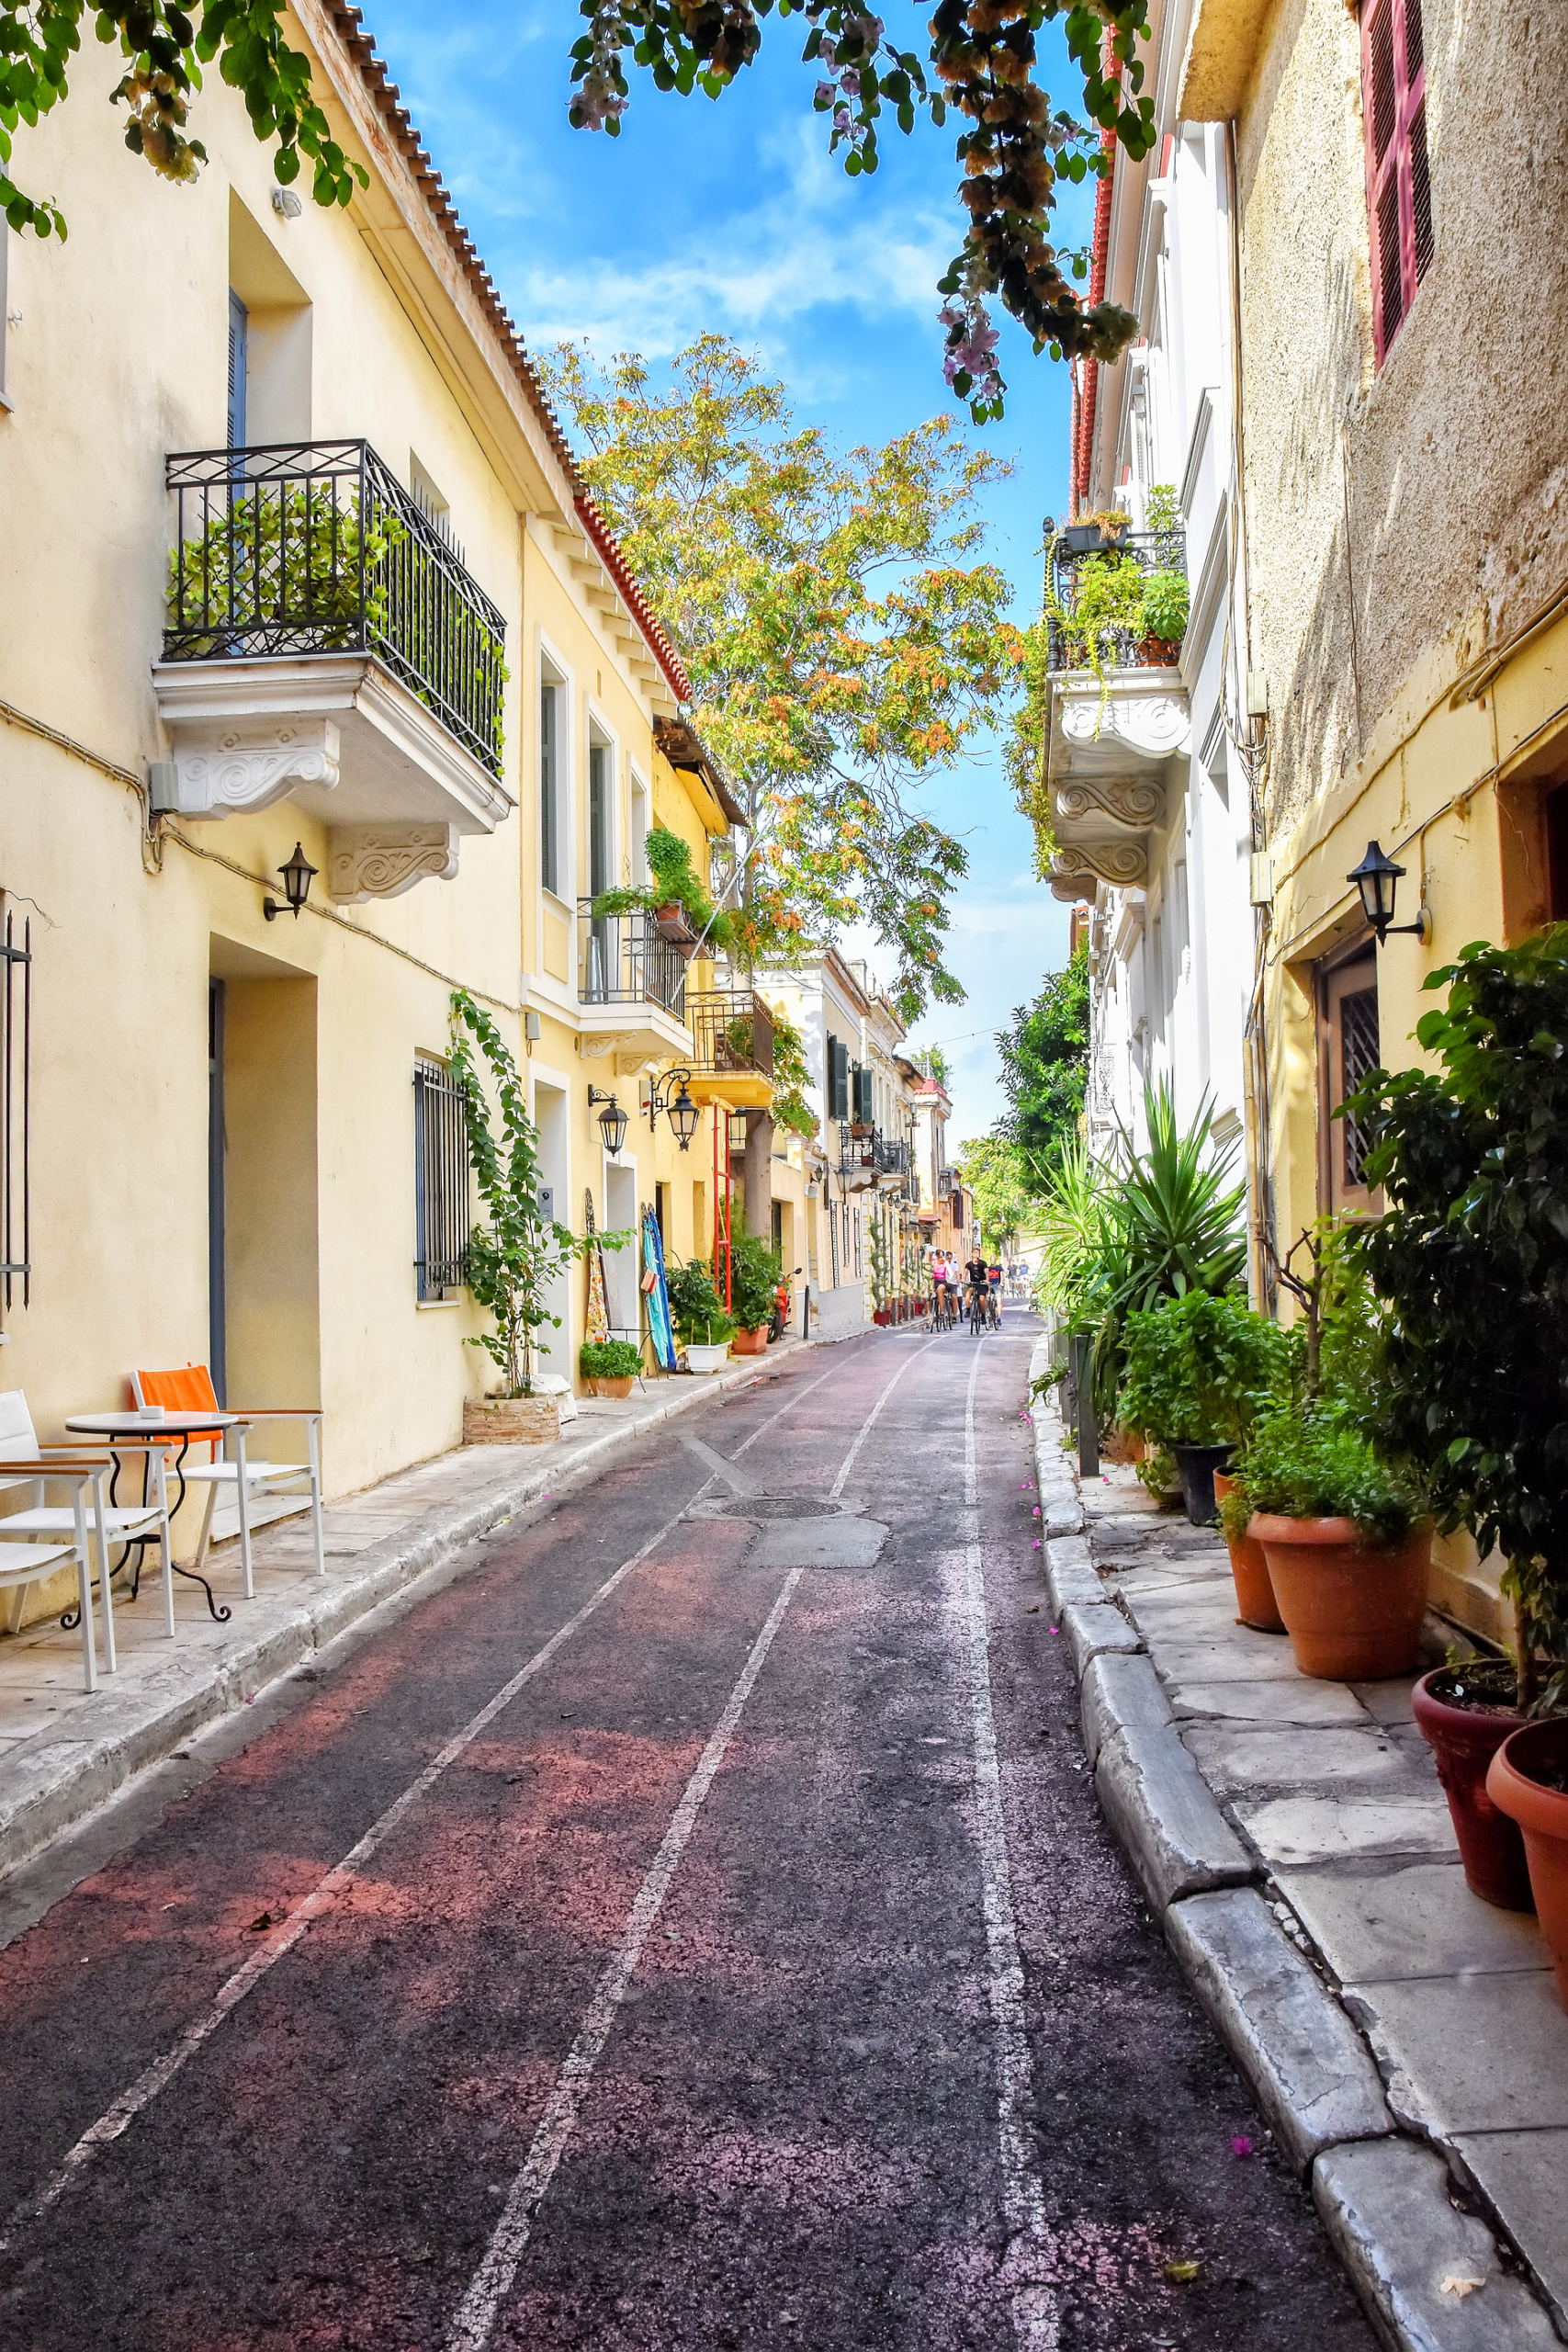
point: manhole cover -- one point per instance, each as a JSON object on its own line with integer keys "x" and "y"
{"x": 766, "y": 1507}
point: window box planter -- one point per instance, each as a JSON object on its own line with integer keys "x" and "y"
{"x": 1353, "y": 1610}
{"x": 1083, "y": 538}
{"x": 671, "y": 922}
{"x": 1464, "y": 1738}
{"x": 1528, "y": 1780}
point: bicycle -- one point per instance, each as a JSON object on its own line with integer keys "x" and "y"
{"x": 993, "y": 1311}
{"x": 976, "y": 1311}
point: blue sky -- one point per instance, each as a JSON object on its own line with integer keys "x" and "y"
{"x": 732, "y": 218}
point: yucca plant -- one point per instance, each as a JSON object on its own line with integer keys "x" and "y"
{"x": 1070, "y": 1220}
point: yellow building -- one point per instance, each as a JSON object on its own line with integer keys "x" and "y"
{"x": 292, "y": 550}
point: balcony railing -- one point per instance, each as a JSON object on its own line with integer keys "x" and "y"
{"x": 317, "y": 547}
{"x": 732, "y": 1030}
{"x": 1117, "y": 647}
{"x": 872, "y": 1155}
{"x": 622, "y": 959}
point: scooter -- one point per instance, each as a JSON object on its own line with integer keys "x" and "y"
{"x": 778, "y": 1322}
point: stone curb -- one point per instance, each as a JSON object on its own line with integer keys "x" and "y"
{"x": 1427, "y": 2274}
{"x": 51, "y": 1790}
{"x": 1384, "y": 2198}
{"x": 1308, "y": 2067}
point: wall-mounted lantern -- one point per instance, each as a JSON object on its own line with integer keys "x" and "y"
{"x": 1378, "y": 878}
{"x": 298, "y": 877}
{"x": 611, "y": 1120}
{"x": 684, "y": 1114}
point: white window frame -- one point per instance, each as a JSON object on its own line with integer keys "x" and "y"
{"x": 551, "y": 670}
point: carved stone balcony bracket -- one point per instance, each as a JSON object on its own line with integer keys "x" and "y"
{"x": 383, "y": 861}
{"x": 1129, "y": 801}
{"x": 1140, "y": 723}
{"x": 224, "y": 771}
{"x": 1077, "y": 867}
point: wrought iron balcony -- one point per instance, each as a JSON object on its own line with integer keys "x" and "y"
{"x": 1115, "y": 648}
{"x": 316, "y": 547}
{"x": 622, "y": 960}
{"x": 732, "y": 1047}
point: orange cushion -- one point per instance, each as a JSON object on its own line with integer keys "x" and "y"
{"x": 190, "y": 1390}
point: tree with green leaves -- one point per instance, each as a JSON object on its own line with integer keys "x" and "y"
{"x": 996, "y": 1172}
{"x": 517, "y": 1254}
{"x": 1013, "y": 148}
{"x": 164, "y": 48}
{"x": 1044, "y": 1054}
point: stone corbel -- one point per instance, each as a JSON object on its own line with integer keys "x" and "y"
{"x": 383, "y": 861}
{"x": 1075, "y": 869}
{"x": 1152, "y": 725}
{"x": 1125, "y": 801}
{"x": 224, "y": 770}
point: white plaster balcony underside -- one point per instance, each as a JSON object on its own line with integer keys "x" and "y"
{"x": 345, "y": 741}
{"x": 1110, "y": 770}
{"x": 631, "y": 1037}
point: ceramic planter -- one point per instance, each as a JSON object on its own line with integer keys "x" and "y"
{"x": 602, "y": 1386}
{"x": 1542, "y": 1814}
{"x": 1196, "y": 1466}
{"x": 704, "y": 1360}
{"x": 751, "y": 1343}
{"x": 510, "y": 1420}
{"x": 1464, "y": 1740}
{"x": 1254, "y": 1601}
{"x": 1353, "y": 1610}
{"x": 671, "y": 922}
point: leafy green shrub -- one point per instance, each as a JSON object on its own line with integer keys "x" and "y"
{"x": 1166, "y": 605}
{"x": 753, "y": 1279}
{"x": 1317, "y": 1467}
{"x": 1472, "y": 1254}
{"x": 695, "y": 1308}
{"x": 673, "y": 880}
{"x": 609, "y": 1359}
{"x": 1201, "y": 1370}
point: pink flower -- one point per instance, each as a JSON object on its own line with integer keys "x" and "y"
{"x": 1037, "y": 1543}
{"x": 1241, "y": 2145}
{"x": 1056, "y": 1629}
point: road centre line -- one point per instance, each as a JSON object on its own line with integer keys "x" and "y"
{"x": 837, "y": 1488}
{"x": 1036, "y": 2313}
{"x": 337, "y": 1881}
{"x": 476, "y": 2315}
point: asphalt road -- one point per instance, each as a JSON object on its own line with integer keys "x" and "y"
{"x": 691, "y": 1926}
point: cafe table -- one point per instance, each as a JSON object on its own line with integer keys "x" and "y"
{"x": 128, "y": 1432}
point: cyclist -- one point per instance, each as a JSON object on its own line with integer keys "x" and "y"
{"x": 939, "y": 1286}
{"x": 994, "y": 1297}
{"x": 977, "y": 1276}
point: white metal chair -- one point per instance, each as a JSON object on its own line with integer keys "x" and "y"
{"x": 22, "y": 1565}
{"x": 143, "y": 1523}
{"x": 189, "y": 1388}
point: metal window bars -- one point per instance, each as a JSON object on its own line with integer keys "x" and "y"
{"x": 623, "y": 959}
{"x": 15, "y": 1110}
{"x": 315, "y": 547}
{"x": 441, "y": 1180}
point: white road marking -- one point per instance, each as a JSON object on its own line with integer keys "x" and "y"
{"x": 162, "y": 2072}
{"x": 1036, "y": 2314}
{"x": 491, "y": 2282}
{"x": 837, "y": 1488}
{"x": 735, "y": 1480}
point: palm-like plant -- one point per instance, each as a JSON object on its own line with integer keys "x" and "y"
{"x": 1070, "y": 1220}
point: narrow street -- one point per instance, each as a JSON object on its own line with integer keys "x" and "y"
{"x": 694, "y": 1927}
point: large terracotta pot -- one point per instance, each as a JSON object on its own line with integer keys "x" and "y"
{"x": 1254, "y": 1601}
{"x": 1542, "y": 1814}
{"x": 603, "y": 1385}
{"x": 1353, "y": 1609}
{"x": 751, "y": 1343}
{"x": 510, "y": 1420}
{"x": 1464, "y": 1740}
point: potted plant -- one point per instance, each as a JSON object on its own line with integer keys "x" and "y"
{"x": 1472, "y": 1254}
{"x": 675, "y": 900}
{"x": 1349, "y": 1554}
{"x": 515, "y": 1254}
{"x": 754, "y": 1273}
{"x": 1106, "y": 528}
{"x": 609, "y": 1367}
{"x": 1527, "y": 1781}
{"x": 1166, "y": 601}
{"x": 1199, "y": 1371}
{"x": 698, "y": 1315}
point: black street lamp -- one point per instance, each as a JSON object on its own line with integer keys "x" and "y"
{"x": 684, "y": 1114}
{"x": 611, "y": 1120}
{"x": 298, "y": 877}
{"x": 1378, "y": 878}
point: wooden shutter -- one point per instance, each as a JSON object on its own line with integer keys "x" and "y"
{"x": 838, "y": 1078}
{"x": 1399, "y": 194}
{"x": 238, "y": 323}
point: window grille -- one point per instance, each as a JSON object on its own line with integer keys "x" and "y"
{"x": 1357, "y": 1055}
{"x": 15, "y": 1111}
{"x": 1399, "y": 194}
{"x": 441, "y": 1180}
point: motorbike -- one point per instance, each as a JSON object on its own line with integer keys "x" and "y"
{"x": 778, "y": 1322}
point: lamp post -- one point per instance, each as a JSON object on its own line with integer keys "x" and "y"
{"x": 683, "y": 1114}
{"x": 1378, "y": 878}
{"x": 298, "y": 877}
{"x": 611, "y": 1120}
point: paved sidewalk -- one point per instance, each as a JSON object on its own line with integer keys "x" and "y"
{"x": 1404, "y": 2038}
{"x": 63, "y": 1751}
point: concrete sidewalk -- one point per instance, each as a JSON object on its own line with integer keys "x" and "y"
{"x": 1404, "y": 2039}
{"x": 63, "y": 1752}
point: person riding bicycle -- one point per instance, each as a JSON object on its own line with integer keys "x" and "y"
{"x": 994, "y": 1283}
{"x": 977, "y": 1276}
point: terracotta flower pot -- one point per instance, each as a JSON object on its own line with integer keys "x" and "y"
{"x": 1254, "y": 1601}
{"x": 1515, "y": 1782}
{"x": 603, "y": 1386}
{"x": 1353, "y": 1609}
{"x": 510, "y": 1420}
{"x": 1464, "y": 1740}
{"x": 751, "y": 1343}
